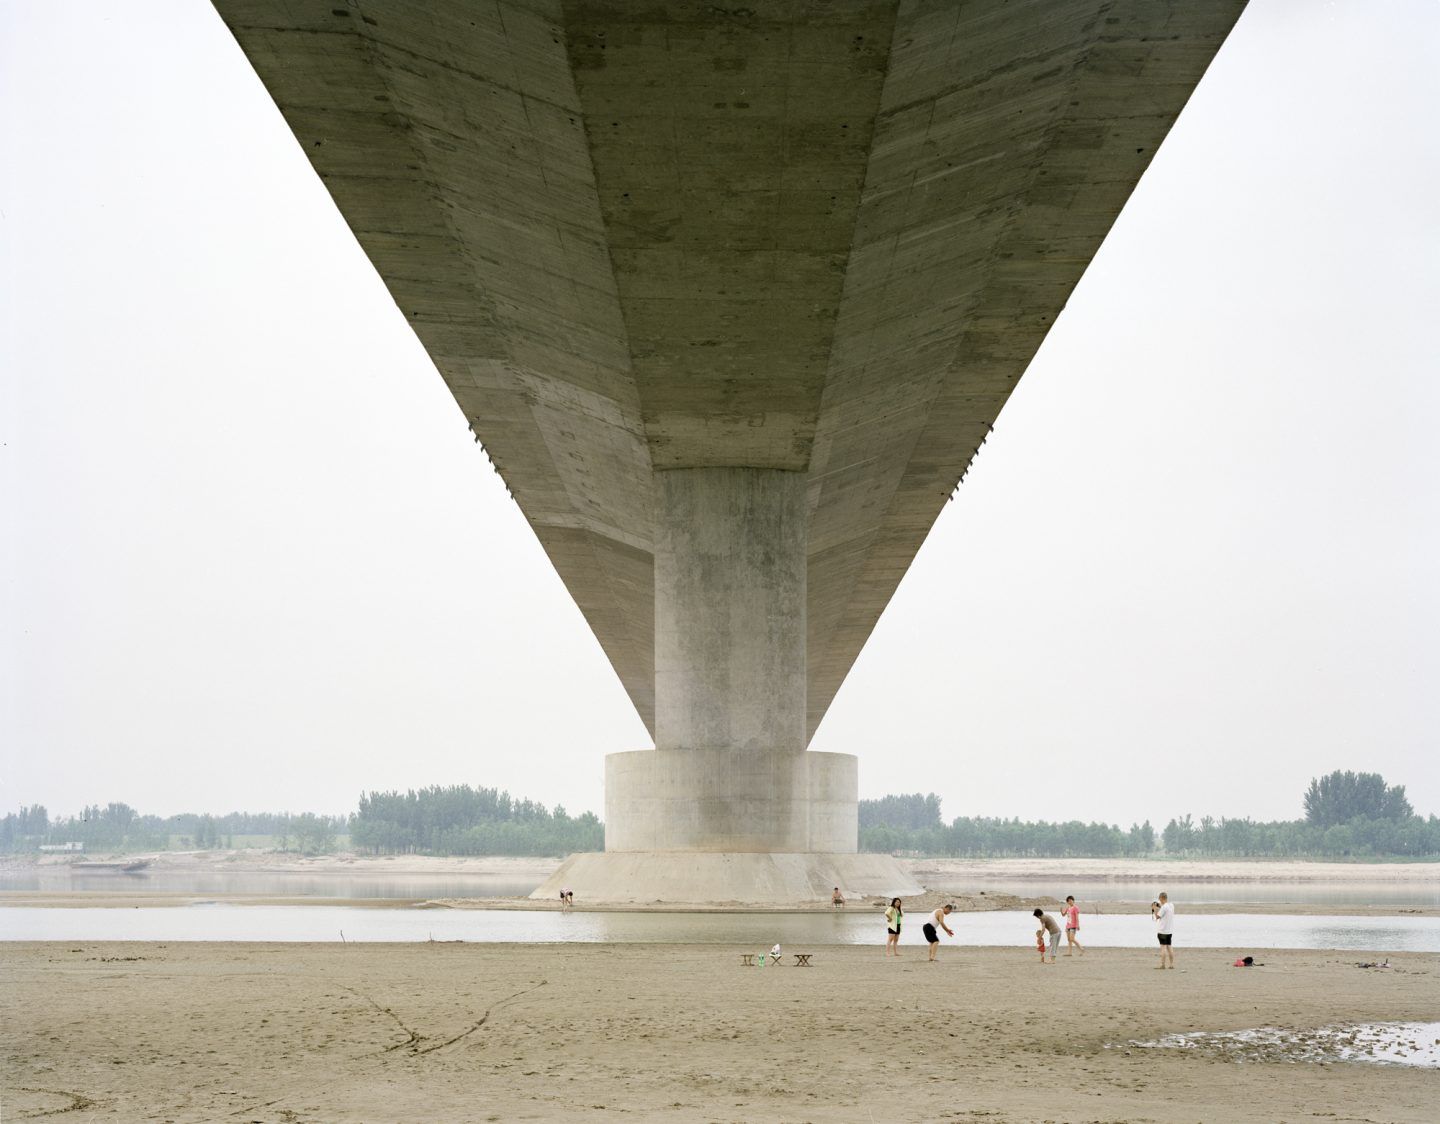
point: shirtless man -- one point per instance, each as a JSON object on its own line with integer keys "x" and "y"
{"x": 937, "y": 918}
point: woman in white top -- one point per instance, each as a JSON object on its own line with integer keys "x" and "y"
{"x": 894, "y": 918}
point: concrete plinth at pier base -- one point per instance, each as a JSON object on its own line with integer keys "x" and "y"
{"x": 724, "y": 878}
{"x": 731, "y": 800}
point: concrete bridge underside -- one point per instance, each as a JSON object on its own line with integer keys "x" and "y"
{"x": 732, "y": 295}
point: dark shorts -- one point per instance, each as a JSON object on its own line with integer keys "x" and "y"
{"x": 930, "y": 934}
{"x": 1164, "y": 938}
{"x": 893, "y": 932}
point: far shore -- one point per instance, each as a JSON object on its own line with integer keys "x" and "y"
{"x": 258, "y": 861}
{"x": 971, "y": 885}
{"x": 929, "y": 871}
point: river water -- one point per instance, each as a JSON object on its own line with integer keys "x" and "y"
{"x": 1412, "y": 894}
{"x": 275, "y": 884}
{"x": 222, "y": 922}
{"x": 422, "y": 887}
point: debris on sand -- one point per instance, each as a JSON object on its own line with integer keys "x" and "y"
{"x": 1410, "y": 1044}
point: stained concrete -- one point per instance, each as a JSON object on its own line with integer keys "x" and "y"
{"x": 730, "y": 610}
{"x": 731, "y": 800}
{"x": 821, "y": 238}
{"x": 732, "y": 295}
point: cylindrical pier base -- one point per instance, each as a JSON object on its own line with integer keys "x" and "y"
{"x": 731, "y": 800}
{"x": 730, "y": 776}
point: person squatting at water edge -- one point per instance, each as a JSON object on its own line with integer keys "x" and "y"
{"x": 937, "y": 918}
{"x": 1052, "y": 929}
{"x": 894, "y": 916}
{"x": 1164, "y": 914}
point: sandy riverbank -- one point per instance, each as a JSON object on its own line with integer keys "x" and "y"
{"x": 937, "y": 873}
{"x": 266, "y": 1032}
{"x": 254, "y": 861}
{"x": 980, "y": 902}
{"x": 916, "y": 904}
{"x": 951, "y": 872}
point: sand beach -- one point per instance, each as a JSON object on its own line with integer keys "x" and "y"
{"x": 465, "y": 1032}
{"x": 450, "y": 1031}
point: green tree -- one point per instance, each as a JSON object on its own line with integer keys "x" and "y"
{"x": 1179, "y": 835}
{"x": 314, "y": 835}
{"x": 912, "y": 811}
{"x": 1340, "y": 797}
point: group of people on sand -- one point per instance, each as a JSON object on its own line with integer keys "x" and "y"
{"x": 1050, "y": 931}
{"x": 1047, "y": 936}
{"x": 895, "y": 918}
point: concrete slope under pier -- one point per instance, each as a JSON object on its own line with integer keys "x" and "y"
{"x": 749, "y": 878}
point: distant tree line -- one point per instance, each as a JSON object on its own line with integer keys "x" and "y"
{"x": 984, "y": 837}
{"x": 449, "y": 820}
{"x": 1347, "y": 815}
{"x": 119, "y": 827}
{"x": 912, "y": 812}
{"x": 461, "y": 820}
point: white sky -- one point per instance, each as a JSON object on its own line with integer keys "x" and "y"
{"x": 252, "y": 559}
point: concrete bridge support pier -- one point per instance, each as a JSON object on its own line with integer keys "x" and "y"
{"x": 729, "y": 806}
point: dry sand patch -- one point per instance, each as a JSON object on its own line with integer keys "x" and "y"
{"x": 472, "y": 1032}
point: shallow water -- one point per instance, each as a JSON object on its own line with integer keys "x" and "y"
{"x": 1409, "y": 1044}
{"x": 275, "y": 884}
{"x": 1413, "y": 894}
{"x": 221, "y": 922}
{"x": 420, "y": 887}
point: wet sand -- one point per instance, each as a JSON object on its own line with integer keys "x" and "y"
{"x": 465, "y": 1032}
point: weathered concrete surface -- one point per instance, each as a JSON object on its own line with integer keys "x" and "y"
{"x": 743, "y": 879}
{"x": 730, "y": 610}
{"x": 731, "y": 800}
{"x": 820, "y": 238}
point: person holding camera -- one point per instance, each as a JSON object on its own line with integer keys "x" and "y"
{"x": 1164, "y": 914}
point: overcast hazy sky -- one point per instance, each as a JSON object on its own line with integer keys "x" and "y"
{"x": 252, "y": 558}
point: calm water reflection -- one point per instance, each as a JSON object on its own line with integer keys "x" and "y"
{"x": 1413, "y": 893}
{"x": 420, "y": 887}
{"x": 325, "y": 923}
{"x": 281, "y": 884}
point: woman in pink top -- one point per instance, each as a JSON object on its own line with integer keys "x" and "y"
{"x": 1072, "y": 925}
